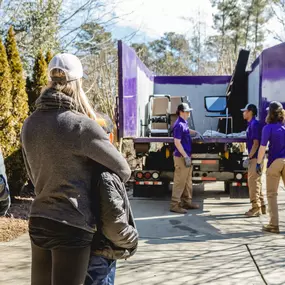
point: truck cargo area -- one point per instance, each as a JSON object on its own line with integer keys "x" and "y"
{"x": 146, "y": 112}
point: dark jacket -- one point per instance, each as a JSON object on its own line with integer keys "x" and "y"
{"x": 60, "y": 146}
{"x": 116, "y": 236}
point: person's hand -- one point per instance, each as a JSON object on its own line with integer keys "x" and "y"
{"x": 199, "y": 136}
{"x": 187, "y": 161}
{"x": 258, "y": 169}
{"x": 245, "y": 163}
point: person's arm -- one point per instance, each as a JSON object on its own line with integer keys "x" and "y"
{"x": 180, "y": 148}
{"x": 261, "y": 154}
{"x": 193, "y": 132}
{"x": 177, "y": 134}
{"x": 263, "y": 144}
{"x": 95, "y": 144}
{"x": 113, "y": 217}
{"x": 28, "y": 169}
{"x": 256, "y": 135}
{"x": 254, "y": 149}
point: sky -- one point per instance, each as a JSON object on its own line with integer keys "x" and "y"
{"x": 149, "y": 19}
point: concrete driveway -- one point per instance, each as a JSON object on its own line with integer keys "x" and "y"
{"x": 213, "y": 245}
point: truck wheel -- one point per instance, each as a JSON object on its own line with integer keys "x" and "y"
{"x": 227, "y": 187}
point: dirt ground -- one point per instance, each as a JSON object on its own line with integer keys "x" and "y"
{"x": 16, "y": 221}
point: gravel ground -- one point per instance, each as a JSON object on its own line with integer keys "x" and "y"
{"x": 16, "y": 221}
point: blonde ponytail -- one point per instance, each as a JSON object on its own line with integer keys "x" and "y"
{"x": 74, "y": 90}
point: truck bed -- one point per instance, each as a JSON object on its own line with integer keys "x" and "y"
{"x": 206, "y": 140}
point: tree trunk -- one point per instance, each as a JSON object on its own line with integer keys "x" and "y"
{"x": 249, "y": 13}
{"x": 256, "y": 33}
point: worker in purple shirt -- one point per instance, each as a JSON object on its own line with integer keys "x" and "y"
{"x": 274, "y": 134}
{"x": 182, "y": 189}
{"x": 253, "y": 137}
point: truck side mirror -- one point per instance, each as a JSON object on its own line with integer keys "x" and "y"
{"x": 217, "y": 104}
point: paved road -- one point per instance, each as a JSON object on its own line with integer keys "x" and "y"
{"x": 213, "y": 245}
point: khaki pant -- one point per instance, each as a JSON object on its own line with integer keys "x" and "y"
{"x": 254, "y": 185}
{"x": 182, "y": 188}
{"x": 273, "y": 175}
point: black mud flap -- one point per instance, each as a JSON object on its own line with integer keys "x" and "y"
{"x": 238, "y": 192}
{"x": 149, "y": 191}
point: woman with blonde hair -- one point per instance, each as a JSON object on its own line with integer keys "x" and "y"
{"x": 274, "y": 134}
{"x": 61, "y": 144}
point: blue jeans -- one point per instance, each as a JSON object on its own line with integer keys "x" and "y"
{"x": 101, "y": 271}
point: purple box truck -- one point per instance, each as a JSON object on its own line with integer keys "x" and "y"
{"x": 146, "y": 107}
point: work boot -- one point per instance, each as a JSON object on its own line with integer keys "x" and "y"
{"x": 271, "y": 229}
{"x": 190, "y": 206}
{"x": 254, "y": 212}
{"x": 263, "y": 210}
{"x": 177, "y": 209}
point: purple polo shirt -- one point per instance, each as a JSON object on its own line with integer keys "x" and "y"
{"x": 253, "y": 132}
{"x": 181, "y": 131}
{"x": 275, "y": 135}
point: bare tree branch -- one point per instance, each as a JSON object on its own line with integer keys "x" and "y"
{"x": 81, "y": 8}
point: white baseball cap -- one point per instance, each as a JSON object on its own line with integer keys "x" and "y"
{"x": 69, "y": 64}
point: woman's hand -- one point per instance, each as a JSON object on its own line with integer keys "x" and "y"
{"x": 258, "y": 169}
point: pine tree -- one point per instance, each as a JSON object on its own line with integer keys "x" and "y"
{"x": 20, "y": 106}
{"x": 248, "y": 9}
{"x": 7, "y": 133}
{"x": 221, "y": 20}
{"x": 260, "y": 14}
{"x": 39, "y": 79}
{"x": 15, "y": 167}
{"x": 49, "y": 57}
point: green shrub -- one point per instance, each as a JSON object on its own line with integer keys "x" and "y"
{"x": 7, "y": 132}
{"x": 39, "y": 80}
{"x": 16, "y": 171}
{"x": 20, "y": 106}
{"x": 49, "y": 57}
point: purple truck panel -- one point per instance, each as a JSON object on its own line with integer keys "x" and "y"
{"x": 272, "y": 78}
{"x": 192, "y": 80}
{"x": 128, "y": 65}
{"x": 271, "y": 85}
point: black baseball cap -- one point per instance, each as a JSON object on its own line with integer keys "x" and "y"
{"x": 250, "y": 107}
{"x": 184, "y": 107}
{"x": 274, "y": 106}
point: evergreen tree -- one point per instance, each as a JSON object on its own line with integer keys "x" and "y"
{"x": 239, "y": 24}
{"x": 143, "y": 52}
{"x": 248, "y": 9}
{"x": 36, "y": 25}
{"x": 222, "y": 20}
{"x": 40, "y": 79}
{"x": 7, "y": 133}
{"x": 93, "y": 38}
{"x": 15, "y": 167}
{"x": 169, "y": 55}
{"x": 49, "y": 56}
{"x": 19, "y": 96}
{"x": 260, "y": 14}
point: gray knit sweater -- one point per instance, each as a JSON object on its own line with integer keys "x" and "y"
{"x": 59, "y": 149}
